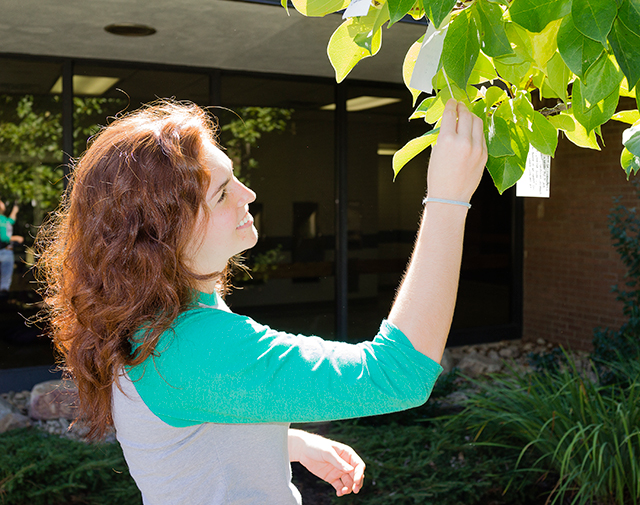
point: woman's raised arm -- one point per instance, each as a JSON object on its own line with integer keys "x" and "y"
{"x": 423, "y": 308}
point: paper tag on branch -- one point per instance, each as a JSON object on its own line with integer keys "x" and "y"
{"x": 537, "y": 175}
{"x": 357, "y": 8}
{"x": 428, "y": 59}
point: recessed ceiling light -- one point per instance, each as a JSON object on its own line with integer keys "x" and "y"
{"x": 363, "y": 103}
{"x": 130, "y": 30}
{"x": 87, "y": 85}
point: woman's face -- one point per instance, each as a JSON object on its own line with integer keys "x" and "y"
{"x": 228, "y": 228}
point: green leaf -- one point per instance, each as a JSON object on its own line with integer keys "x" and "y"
{"x": 629, "y": 162}
{"x": 461, "y": 48}
{"x": 594, "y": 18}
{"x": 505, "y": 171}
{"x": 399, "y": 9}
{"x": 574, "y": 131}
{"x": 412, "y": 148}
{"x": 625, "y": 42}
{"x": 285, "y": 4}
{"x": 447, "y": 86}
{"x": 535, "y": 15}
{"x": 408, "y": 66}
{"x": 627, "y": 116}
{"x": 319, "y": 8}
{"x": 558, "y": 75}
{"x": 483, "y": 71}
{"x": 595, "y": 114}
{"x": 563, "y": 122}
{"x": 513, "y": 68}
{"x": 545, "y": 44}
{"x": 498, "y": 138}
{"x": 438, "y": 10}
{"x": 492, "y": 33}
{"x": 629, "y": 13}
{"x": 577, "y": 51}
{"x": 430, "y": 109}
{"x": 344, "y": 52}
{"x": 602, "y": 79}
{"x": 631, "y": 139}
{"x": 494, "y": 94}
{"x": 542, "y": 134}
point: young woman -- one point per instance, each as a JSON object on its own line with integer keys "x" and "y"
{"x": 201, "y": 398}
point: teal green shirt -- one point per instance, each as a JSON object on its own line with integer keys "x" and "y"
{"x": 217, "y": 366}
{"x": 6, "y": 228}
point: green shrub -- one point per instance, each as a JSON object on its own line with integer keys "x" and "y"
{"x": 587, "y": 433}
{"x": 37, "y": 468}
{"x": 622, "y": 344}
{"x": 426, "y": 464}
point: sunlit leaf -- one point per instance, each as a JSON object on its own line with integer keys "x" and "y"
{"x": 558, "y": 75}
{"x": 563, "y": 122}
{"x": 494, "y": 94}
{"x": 461, "y": 48}
{"x": 430, "y": 109}
{"x": 408, "y": 66}
{"x": 438, "y": 10}
{"x": 535, "y": 15}
{"x": 493, "y": 36}
{"x": 592, "y": 115}
{"x": 319, "y": 8}
{"x": 483, "y": 71}
{"x": 631, "y": 139}
{"x": 344, "y": 53}
{"x": 594, "y": 18}
{"x": 544, "y": 44}
{"x": 575, "y": 132}
{"x": 412, "y": 148}
{"x": 625, "y": 42}
{"x": 578, "y": 51}
{"x": 627, "y": 116}
{"x": 513, "y": 68}
{"x": 629, "y": 162}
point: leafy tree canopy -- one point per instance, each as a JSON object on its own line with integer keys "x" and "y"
{"x": 500, "y": 57}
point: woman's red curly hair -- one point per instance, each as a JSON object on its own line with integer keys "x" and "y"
{"x": 114, "y": 256}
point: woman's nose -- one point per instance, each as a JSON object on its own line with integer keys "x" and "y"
{"x": 246, "y": 195}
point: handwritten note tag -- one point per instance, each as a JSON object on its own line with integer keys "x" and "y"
{"x": 357, "y": 8}
{"x": 428, "y": 59}
{"x": 537, "y": 175}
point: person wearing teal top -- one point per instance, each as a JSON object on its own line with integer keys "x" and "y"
{"x": 201, "y": 398}
{"x": 6, "y": 248}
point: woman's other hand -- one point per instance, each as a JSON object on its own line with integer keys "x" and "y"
{"x": 333, "y": 462}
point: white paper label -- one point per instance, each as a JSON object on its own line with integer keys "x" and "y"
{"x": 357, "y": 8}
{"x": 537, "y": 175}
{"x": 428, "y": 58}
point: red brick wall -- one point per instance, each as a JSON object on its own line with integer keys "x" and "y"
{"x": 570, "y": 264}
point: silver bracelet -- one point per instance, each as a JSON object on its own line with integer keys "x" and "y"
{"x": 441, "y": 200}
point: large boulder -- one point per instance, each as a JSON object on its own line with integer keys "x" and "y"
{"x": 10, "y": 418}
{"x": 54, "y": 399}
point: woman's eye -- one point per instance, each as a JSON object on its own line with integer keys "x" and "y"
{"x": 223, "y": 195}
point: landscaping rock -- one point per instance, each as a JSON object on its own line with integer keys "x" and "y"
{"x": 475, "y": 364}
{"x": 10, "y": 418}
{"x": 53, "y": 400}
{"x": 447, "y": 361}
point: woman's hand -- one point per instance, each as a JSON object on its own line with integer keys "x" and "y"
{"x": 459, "y": 156}
{"x": 333, "y": 462}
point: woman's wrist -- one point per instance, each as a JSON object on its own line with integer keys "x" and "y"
{"x": 446, "y": 201}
